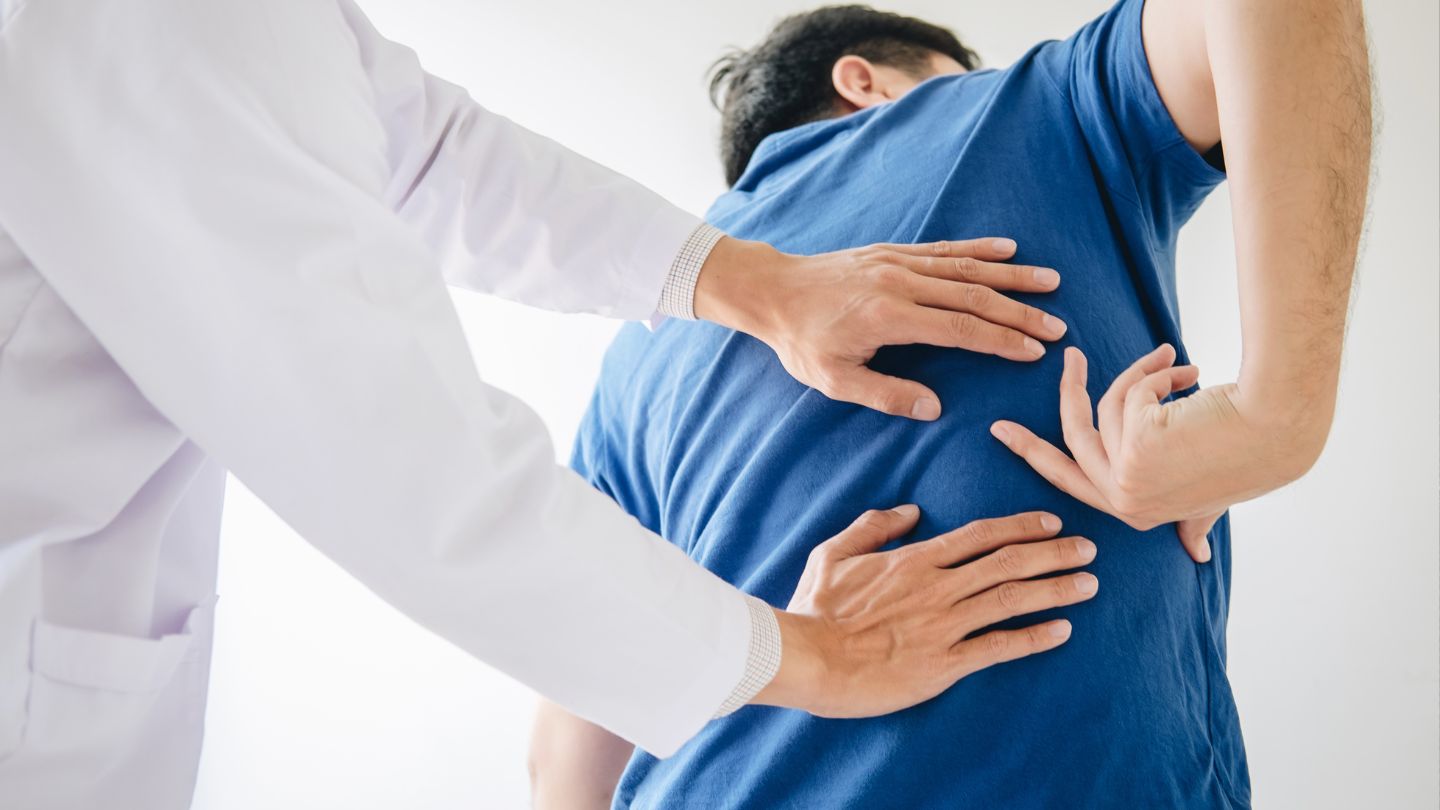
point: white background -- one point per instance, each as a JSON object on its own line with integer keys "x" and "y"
{"x": 323, "y": 697}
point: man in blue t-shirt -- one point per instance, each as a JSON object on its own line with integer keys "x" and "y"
{"x": 1092, "y": 155}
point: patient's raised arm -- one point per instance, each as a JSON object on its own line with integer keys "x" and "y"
{"x": 1286, "y": 85}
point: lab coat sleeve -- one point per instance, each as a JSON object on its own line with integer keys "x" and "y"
{"x": 202, "y": 184}
{"x": 512, "y": 213}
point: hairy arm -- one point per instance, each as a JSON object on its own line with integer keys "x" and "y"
{"x": 1285, "y": 84}
{"x": 574, "y": 764}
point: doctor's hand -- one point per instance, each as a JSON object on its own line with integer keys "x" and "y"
{"x": 1152, "y": 462}
{"x": 870, "y": 632}
{"x": 826, "y": 316}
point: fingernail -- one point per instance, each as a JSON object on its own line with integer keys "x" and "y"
{"x": 908, "y": 510}
{"x": 1086, "y": 549}
{"x": 1033, "y": 347}
{"x": 1002, "y": 245}
{"x": 1001, "y": 432}
{"x": 1046, "y": 277}
{"x": 1086, "y": 583}
{"x": 925, "y": 409}
{"x": 1054, "y": 325}
{"x": 1060, "y": 629}
{"x": 1049, "y": 522}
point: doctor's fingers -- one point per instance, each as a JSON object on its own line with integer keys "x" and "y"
{"x": 869, "y": 532}
{"x": 976, "y": 261}
{"x": 980, "y": 300}
{"x": 1020, "y": 561}
{"x": 861, "y": 385}
{"x": 1018, "y": 598}
{"x": 962, "y": 330}
{"x": 999, "y": 646}
{"x": 983, "y": 536}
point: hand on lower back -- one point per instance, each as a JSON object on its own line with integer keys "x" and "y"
{"x": 870, "y": 632}
{"x": 1152, "y": 462}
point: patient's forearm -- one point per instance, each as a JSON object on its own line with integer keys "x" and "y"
{"x": 1292, "y": 86}
{"x": 1285, "y": 84}
{"x": 574, "y": 764}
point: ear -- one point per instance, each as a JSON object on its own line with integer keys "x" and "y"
{"x": 859, "y": 82}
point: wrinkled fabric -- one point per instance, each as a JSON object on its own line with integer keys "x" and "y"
{"x": 698, "y": 432}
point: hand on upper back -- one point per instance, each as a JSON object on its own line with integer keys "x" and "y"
{"x": 870, "y": 632}
{"x": 826, "y": 316}
{"x": 1152, "y": 462}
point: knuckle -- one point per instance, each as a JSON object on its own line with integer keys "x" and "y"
{"x": 964, "y": 326}
{"x": 1009, "y": 560}
{"x": 941, "y": 249}
{"x": 1036, "y": 637}
{"x": 967, "y": 268}
{"x": 980, "y": 532}
{"x": 871, "y": 519}
{"x": 1067, "y": 551}
{"x": 1064, "y": 587}
{"x": 887, "y": 274}
{"x": 817, "y": 555}
{"x": 997, "y": 644}
{"x": 894, "y": 403}
{"x": 974, "y": 297}
{"x": 1010, "y": 595}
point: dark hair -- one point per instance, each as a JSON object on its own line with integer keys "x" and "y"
{"x": 785, "y": 81}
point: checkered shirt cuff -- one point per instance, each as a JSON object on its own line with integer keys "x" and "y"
{"x": 764, "y": 660}
{"x": 677, "y": 299}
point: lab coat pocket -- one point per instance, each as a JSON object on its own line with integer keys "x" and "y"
{"x": 94, "y": 696}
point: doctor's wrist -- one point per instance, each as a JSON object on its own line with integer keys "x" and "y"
{"x": 736, "y": 286}
{"x": 803, "y": 668}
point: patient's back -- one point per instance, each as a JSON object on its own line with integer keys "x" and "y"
{"x": 700, "y": 433}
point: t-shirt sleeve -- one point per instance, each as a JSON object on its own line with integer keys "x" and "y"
{"x": 1139, "y": 152}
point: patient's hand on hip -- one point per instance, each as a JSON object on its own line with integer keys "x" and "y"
{"x": 1152, "y": 461}
{"x": 870, "y": 632}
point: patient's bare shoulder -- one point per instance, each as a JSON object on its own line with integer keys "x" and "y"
{"x": 1175, "y": 46}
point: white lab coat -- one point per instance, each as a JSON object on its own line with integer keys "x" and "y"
{"x": 222, "y": 231}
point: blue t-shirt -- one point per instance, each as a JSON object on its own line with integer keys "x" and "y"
{"x": 698, "y": 432}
